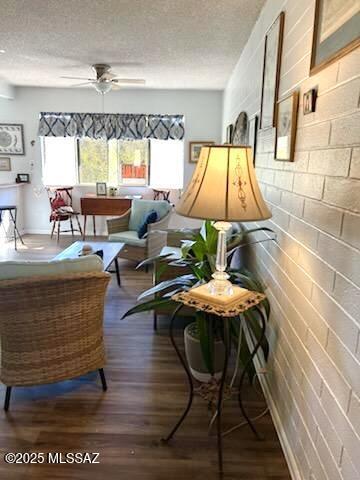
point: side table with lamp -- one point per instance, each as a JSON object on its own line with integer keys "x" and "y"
{"x": 223, "y": 188}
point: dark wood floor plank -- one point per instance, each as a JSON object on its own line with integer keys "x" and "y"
{"x": 147, "y": 391}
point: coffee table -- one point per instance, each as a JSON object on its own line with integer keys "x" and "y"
{"x": 111, "y": 251}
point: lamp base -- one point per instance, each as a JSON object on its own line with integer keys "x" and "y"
{"x": 220, "y": 285}
{"x": 204, "y": 294}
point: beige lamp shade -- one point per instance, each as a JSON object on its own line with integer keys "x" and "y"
{"x": 224, "y": 187}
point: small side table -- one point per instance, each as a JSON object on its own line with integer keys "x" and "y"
{"x": 251, "y": 300}
{"x": 12, "y": 209}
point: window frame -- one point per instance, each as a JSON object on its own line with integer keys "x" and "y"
{"x": 78, "y": 163}
{"x": 43, "y": 161}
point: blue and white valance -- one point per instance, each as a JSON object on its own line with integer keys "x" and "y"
{"x": 111, "y": 125}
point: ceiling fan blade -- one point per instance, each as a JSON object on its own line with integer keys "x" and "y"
{"x": 107, "y": 76}
{"x": 134, "y": 81}
{"x": 115, "y": 86}
{"x": 77, "y": 78}
{"x": 82, "y": 84}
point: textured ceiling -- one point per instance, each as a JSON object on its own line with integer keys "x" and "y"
{"x": 171, "y": 44}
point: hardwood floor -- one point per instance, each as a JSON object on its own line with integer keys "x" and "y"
{"x": 146, "y": 393}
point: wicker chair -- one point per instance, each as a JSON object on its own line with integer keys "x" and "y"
{"x": 145, "y": 248}
{"x": 51, "y": 328}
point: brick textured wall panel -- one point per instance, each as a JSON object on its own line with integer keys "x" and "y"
{"x": 346, "y": 130}
{"x": 343, "y": 192}
{"x": 313, "y": 272}
{"x": 309, "y": 185}
{"x": 351, "y": 228}
{"x": 355, "y": 163}
{"x": 323, "y": 216}
{"x": 333, "y": 162}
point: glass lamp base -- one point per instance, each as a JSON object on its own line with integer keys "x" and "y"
{"x": 220, "y": 285}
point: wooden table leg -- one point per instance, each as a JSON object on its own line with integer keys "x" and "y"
{"x": 85, "y": 218}
{"x": 94, "y": 225}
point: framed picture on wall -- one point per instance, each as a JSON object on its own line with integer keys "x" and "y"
{"x": 22, "y": 178}
{"x": 240, "y": 134}
{"x": 229, "y": 133}
{"x": 11, "y": 139}
{"x": 286, "y": 118}
{"x": 195, "y": 149}
{"x": 271, "y": 72}
{"x": 336, "y": 31}
{"x": 253, "y": 129}
{"x": 5, "y": 164}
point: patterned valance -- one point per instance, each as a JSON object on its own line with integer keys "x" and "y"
{"x": 111, "y": 125}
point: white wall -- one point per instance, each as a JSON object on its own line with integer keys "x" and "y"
{"x": 313, "y": 272}
{"x": 6, "y": 90}
{"x": 202, "y": 110}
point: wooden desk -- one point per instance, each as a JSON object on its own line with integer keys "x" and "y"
{"x": 103, "y": 205}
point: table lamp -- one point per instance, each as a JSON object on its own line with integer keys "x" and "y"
{"x": 223, "y": 188}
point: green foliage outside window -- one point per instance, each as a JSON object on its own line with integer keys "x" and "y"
{"x": 93, "y": 165}
{"x": 102, "y": 161}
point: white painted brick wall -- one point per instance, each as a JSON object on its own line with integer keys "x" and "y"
{"x": 313, "y": 272}
{"x": 330, "y": 162}
{"x": 345, "y": 131}
{"x": 351, "y": 229}
{"x": 343, "y": 192}
{"x": 309, "y": 185}
{"x": 324, "y": 217}
{"x": 355, "y": 163}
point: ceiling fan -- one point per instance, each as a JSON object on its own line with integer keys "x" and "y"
{"x": 105, "y": 80}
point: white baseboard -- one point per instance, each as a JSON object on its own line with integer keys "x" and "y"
{"x": 285, "y": 445}
{"x": 276, "y": 418}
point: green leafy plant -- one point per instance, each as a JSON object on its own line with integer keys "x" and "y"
{"x": 198, "y": 254}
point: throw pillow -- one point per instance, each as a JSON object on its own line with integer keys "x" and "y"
{"x": 149, "y": 217}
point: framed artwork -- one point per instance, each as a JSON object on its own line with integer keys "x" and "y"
{"x": 336, "y": 31}
{"x": 22, "y": 178}
{"x": 11, "y": 139}
{"x": 241, "y": 130}
{"x": 101, "y": 188}
{"x": 229, "y": 133}
{"x": 5, "y": 164}
{"x": 286, "y": 117}
{"x": 195, "y": 149}
{"x": 271, "y": 72}
{"x": 309, "y": 101}
{"x": 253, "y": 129}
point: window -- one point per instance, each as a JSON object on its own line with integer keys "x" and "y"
{"x": 133, "y": 161}
{"x": 117, "y": 162}
{"x": 59, "y": 161}
{"x": 93, "y": 160}
{"x": 167, "y": 164}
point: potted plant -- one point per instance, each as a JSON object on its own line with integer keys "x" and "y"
{"x": 203, "y": 343}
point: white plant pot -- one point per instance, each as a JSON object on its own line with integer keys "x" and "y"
{"x": 195, "y": 359}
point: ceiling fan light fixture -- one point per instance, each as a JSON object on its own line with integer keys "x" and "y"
{"x": 102, "y": 87}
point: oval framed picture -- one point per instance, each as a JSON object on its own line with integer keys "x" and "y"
{"x": 240, "y": 135}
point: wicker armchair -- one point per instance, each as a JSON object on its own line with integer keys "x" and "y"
{"x": 139, "y": 249}
{"x": 51, "y": 328}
